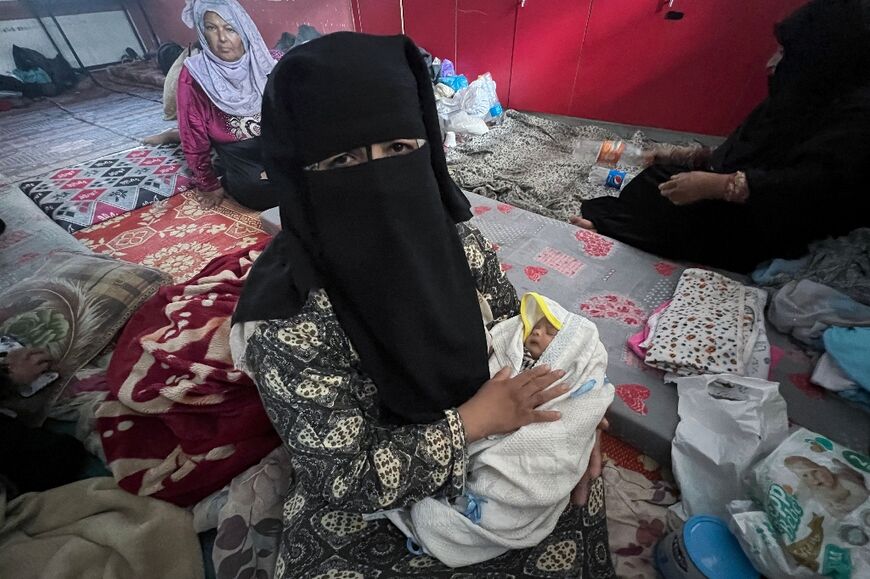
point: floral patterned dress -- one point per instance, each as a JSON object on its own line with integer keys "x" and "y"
{"x": 346, "y": 463}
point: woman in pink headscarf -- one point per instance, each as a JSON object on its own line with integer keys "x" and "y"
{"x": 219, "y": 97}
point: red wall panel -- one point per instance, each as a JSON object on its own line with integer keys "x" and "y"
{"x": 549, "y": 35}
{"x": 377, "y": 16}
{"x": 701, "y": 73}
{"x": 759, "y": 27}
{"x": 432, "y": 25}
{"x": 637, "y": 67}
{"x": 485, "y": 40}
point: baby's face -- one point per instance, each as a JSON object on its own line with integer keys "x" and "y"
{"x": 813, "y": 475}
{"x": 542, "y": 334}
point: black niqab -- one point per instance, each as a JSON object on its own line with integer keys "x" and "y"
{"x": 379, "y": 237}
{"x": 826, "y": 58}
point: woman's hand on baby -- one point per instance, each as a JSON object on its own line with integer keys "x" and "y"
{"x": 504, "y": 404}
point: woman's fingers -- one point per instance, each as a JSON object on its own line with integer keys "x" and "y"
{"x": 543, "y": 396}
{"x": 540, "y": 383}
{"x": 503, "y": 374}
{"x": 596, "y": 460}
{"x": 669, "y": 186}
{"x": 545, "y": 416}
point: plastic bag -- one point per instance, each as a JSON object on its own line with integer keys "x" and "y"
{"x": 726, "y": 423}
{"x": 467, "y": 111}
{"x": 447, "y": 68}
{"x": 462, "y": 122}
{"x": 480, "y": 96}
{"x": 454, "y": 82}
{"x": 810, "y": 516}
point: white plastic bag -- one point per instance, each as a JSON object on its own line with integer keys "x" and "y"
{"x": 810, "y": 513}
{"x": 463, "y": 123}
{"x": 726, "y": 423}
{"x": 461, "y": 112}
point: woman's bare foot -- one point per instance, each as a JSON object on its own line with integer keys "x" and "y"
{"x": 582, "y": 223}
{"x": 165, "y": 138}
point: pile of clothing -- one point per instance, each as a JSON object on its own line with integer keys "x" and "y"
{"x": 711, "y": 325}
{"x": 823, "y": 301}
{"x": 830, "y": 322}
{"x": 37, "y": 76}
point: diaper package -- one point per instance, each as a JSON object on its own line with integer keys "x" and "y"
{"x": 810, "y": 513}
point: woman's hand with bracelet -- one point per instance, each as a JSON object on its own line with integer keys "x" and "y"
{"x": 694, "y": 186}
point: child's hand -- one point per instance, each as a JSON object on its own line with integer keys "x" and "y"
{"x": 26, "y": 364}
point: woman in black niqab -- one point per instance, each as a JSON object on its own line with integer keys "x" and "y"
{"x": 795, "y": 171}
{"x": 362, "y": 326}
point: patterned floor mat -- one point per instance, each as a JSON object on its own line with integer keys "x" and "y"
{"x": 95, "y": 191}
{"x": 175, "y": 235}
{"x": 89, "y": 122}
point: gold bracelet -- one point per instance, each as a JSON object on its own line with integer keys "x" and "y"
{"x": 738, "y": 189}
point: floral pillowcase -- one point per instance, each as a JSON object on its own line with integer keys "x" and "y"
{"x": 73, "y": 306}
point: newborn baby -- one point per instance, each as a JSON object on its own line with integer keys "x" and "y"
{"x": 518, "y": 484}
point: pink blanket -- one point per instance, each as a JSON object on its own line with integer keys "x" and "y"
{"x": 180, "y": 421}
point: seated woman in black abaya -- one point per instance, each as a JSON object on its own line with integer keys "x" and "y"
{"x": 793, "y": 172}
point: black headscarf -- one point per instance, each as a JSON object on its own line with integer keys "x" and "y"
{"x": 379, "y": 237}
{"x": 826, "y": 58}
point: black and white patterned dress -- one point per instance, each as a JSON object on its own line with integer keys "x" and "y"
{"x": 347, "y": 463}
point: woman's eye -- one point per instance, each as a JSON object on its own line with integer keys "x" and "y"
{"x": 400, "y": 148}
{"x": 343, "y": 160}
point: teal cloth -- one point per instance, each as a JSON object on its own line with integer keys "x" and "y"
{"x": 850, "y": 347}
{"x": 32, "y": 76}
{"x": 767, "y": 272}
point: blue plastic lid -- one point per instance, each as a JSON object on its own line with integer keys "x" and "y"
{"x": 714, "y": 550}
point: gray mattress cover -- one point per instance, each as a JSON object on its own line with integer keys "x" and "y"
{"x": 617, "y": 287}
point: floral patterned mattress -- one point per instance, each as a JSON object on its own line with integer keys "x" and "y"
{"x": 617, "y": 287}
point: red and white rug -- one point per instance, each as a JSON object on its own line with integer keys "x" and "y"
{"x": 176, "y": 235}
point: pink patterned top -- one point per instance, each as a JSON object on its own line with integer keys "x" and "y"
{"x": 201, "y": 122}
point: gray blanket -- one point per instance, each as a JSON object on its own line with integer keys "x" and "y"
{"x": 842, "y": 263}
{"x": 527, "y": 162}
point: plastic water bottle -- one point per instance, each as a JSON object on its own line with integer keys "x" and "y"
{"x": 608, "y": 153}
{"x": 609, "y": 177}
{"x": 495, "y": 116}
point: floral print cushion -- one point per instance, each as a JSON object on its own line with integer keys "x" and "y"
{"x": 29, "y": 237}
{"x": 73, "y": 306}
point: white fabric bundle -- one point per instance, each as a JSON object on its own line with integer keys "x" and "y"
{"x": 521, "y": 482}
